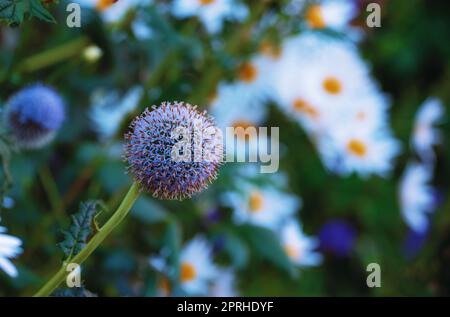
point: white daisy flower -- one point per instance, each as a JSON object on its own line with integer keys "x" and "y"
{"x": 297, "y": 102}
{"x": 333, "y": 72}
{"x": 264, "y": 206}
{"x": 416, "y": 196}
{"x": 290, "y": 92}
{"x": 224, "y": 284}
{"x": 326, "y": 86}
{"x": 352, "y": 149}
{"x": 249, "y": 93}
{"x": 318, "y": 77}
{"x": 425, "y": 135}
{"x": 299, "y": 247}
{"x": 111, "y": 10}
{"x": 369, "y": 112}
{"x": 212, "y": 13}
{"x": 197, "y": 269}
{"x": 109, "y": 110}
{"x": 10, "y": 247}
{"x": 255, "y": 76}
{"x": 332, "y": 14}
{"x": 234, "y": 107}
{"x": 243, "y": 103}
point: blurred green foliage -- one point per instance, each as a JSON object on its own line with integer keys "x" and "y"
{"x": 410, "y": 55}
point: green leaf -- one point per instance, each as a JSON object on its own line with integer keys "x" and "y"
{"x": 8, "y": 11}
{"x": 38, "y": 10}
{"x": 237, "y": 250}
{"x": 267, "y": 244}
{"x": 14, "y": 11}
{"x": 82, "y": 226}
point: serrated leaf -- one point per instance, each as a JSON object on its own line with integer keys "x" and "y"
{"x": 38, "y": 10}
{"x": 14, "y": 11}
{"x": 7, "y": 10}
{"x": 76, "y": 237}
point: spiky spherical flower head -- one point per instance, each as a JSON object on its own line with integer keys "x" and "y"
{"x": 173, "y": 151}
{"x": 34, "y": 115}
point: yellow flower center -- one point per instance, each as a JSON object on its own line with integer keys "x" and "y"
{"x": 104, "y": 4}
{"x": 206, "y": 2}
{"x": 314, "y": 17}
{"x": 248, "y": 72}
{"x": 255, "y": 202}
{"x": 187, "y": 272}
{"x": 332, "y": 85}
{"x": 357, "y": 147}
{"x": 243, "y": 125}
{"x": 303, "y": 106}
{"x": 291, "y": 251}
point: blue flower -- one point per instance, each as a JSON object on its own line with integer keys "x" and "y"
{"x": 414, "y": 242}
{"x": 34, "y": 115}
{"x": 151, "y": 144}
{"x": 337, "y": 237}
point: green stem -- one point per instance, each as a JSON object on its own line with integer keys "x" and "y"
{"x": 54, "y": 55}
{"x": 117, "y": 218}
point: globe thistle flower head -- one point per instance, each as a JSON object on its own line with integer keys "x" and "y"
{"x": 34, "y": 115}
{"x": 163, "y": 160}
{"x": 337, "y": 237}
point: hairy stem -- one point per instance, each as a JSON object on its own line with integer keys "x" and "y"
{"x": 116, "y": 218}
{"x": 54, "y": 55}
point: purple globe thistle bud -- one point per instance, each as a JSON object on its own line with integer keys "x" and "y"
{"x": 337, "y": 237}
{"x": 34, "y": 115}
{"x": 174, "y": 150}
